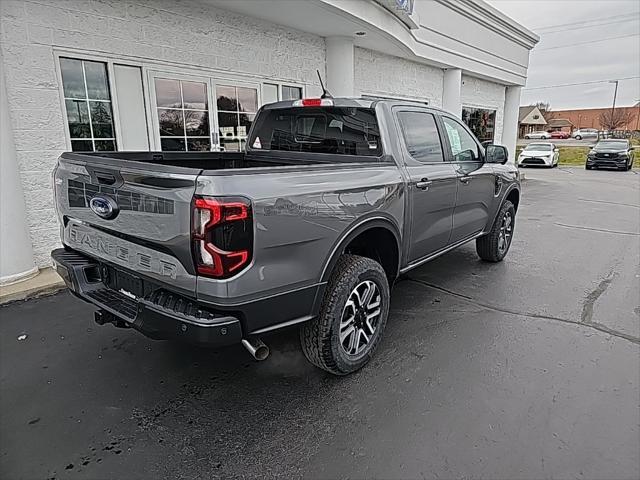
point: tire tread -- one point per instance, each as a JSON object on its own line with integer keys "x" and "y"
{"x": 487, "y": 245}
{"x": 315, "y": 335}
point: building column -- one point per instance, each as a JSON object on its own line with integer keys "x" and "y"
{"x": 16, "y": 251}
{"x": 340, "y": 66}
{"x": 510, "y": 120}
{"x": 451, "y": 96}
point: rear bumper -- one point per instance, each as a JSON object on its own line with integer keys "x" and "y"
{"x": 161, "y": 315}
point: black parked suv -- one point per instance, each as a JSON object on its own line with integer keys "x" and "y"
{"x": 611, "y": 154}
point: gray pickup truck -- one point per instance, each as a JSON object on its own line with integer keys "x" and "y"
{"x": 331, "y": 201}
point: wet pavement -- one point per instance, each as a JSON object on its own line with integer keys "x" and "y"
{"x": 525, "y": 369}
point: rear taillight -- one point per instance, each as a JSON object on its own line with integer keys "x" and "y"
{"x": 222, "y": 235}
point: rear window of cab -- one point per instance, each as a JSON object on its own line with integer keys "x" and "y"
{"x": 329, "y": 130}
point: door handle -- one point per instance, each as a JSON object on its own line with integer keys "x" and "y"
{"x": 466, "y": 179}
{"x": 424, "y": 184}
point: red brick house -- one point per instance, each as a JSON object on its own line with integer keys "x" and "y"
{"x": 591, "y": 117}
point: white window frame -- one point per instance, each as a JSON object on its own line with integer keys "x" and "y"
{"x": 170, "y": 70}
{"x": 156, "y": 144}
{"x": 115, "y": 113}
{"x": 279, "y": 86}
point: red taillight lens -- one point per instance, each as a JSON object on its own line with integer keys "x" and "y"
{"x": 222, "y": 235}
{"x": 313, "y": 102}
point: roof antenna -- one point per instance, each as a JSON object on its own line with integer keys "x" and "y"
{"x": 325, "y": 92}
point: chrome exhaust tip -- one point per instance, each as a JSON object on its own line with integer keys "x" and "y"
{"x": 256, "y": 348}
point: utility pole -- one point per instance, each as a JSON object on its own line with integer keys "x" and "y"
{"x": 613, "y": 107}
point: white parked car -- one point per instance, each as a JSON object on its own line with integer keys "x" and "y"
{"x": 539, "y": 135}
{"x": 539, "y": 153}
{"x": 585, "y": 133}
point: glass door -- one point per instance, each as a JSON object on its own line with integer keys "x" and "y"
{"x": 236, "y": 107}
{"x": 200, "y": 113}
{"x": 180, "y": 111}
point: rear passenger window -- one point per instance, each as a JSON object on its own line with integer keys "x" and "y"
{"x": 421, "y": 136}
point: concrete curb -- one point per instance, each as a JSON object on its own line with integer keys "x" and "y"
{"x": 47, "y": 282}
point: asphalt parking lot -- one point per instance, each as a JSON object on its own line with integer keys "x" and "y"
{"x": 525, "y": 369}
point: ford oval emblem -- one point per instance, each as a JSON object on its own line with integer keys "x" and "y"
{"x": 105, "y": 207}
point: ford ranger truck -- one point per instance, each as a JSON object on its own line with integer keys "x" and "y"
{"x": 332, "y": 199}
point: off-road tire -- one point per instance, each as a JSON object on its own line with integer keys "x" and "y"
{"x": 487, "y": 245}
{"x": 319, "y": 337}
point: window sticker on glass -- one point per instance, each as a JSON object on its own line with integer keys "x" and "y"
{"x": 454, "y": 139}
{"x": 256, "y": 143}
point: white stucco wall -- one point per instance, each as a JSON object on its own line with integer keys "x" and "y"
{"x": 190, "y": 34}
{"x": 380, "y": 74}
{"x": 476, "y": 92}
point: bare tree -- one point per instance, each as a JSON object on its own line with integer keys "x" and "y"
{"x": 544, "y": 107}
{"x": 615, "y": 120}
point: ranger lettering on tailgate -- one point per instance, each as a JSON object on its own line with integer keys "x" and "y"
{"x": 102, "y": 246}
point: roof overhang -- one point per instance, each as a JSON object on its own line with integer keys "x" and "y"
{"x": 466, "y": 34}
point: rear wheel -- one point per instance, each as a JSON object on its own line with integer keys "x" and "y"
{"x": 353, "y": 315}
{"x": 527, "y": 137}
{"x": 493, "y": 247}
{"x": 578, "y": 137}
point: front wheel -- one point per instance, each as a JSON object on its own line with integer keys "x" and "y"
{"x": 527, "y": 137}
{"x": 578, "y": 137}
{"x": 344, "y": 336}
{"x": 493, "y": 246}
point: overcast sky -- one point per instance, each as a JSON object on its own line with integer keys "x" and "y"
{"x": 610, "y": 59}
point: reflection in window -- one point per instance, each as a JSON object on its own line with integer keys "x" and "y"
{"x": 183, "y": 116}
{"x": 291, "y": 93}
{"x": 88, "y": 105}
{"x": 481, "y": 122}
{"x": 236, "y": 111}
{"x": 421, "y": 136}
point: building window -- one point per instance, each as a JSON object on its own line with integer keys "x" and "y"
{"x": 272, "y": 93}
{"x": 291, "y": 93}
{"x": 183, "y": 115}
{"x": 481, "y": 122}
{"x": 88, "y": 105}
{"x": 237, "y": 107}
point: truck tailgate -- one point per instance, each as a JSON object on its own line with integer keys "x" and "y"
{"x": 134, "y": 215}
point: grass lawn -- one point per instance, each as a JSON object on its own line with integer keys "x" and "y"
{"x": 573, "y": 155}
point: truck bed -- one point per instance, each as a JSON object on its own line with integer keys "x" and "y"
{"x": 196, "y": 160}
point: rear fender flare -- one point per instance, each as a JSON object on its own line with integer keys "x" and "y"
{"x": 362, "y": 225}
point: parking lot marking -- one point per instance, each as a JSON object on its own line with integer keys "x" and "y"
{"x": 594, "y": 229}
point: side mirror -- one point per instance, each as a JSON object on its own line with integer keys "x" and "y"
{"x": 496, "y": 154}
